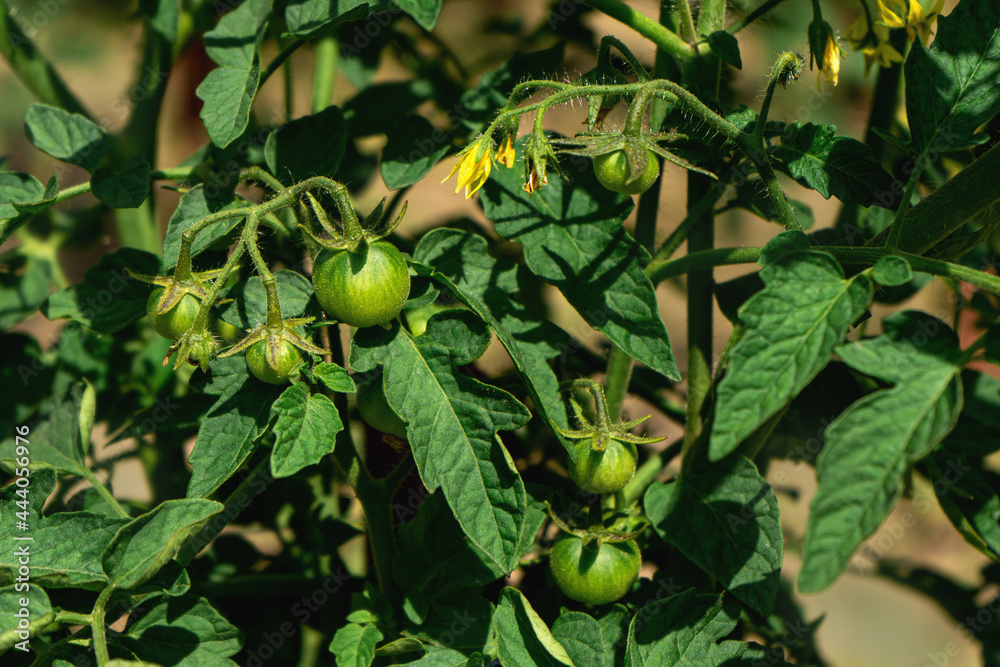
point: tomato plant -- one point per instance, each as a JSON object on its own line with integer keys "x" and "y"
{"x": 711, "y": 301}
{"x": 594, "y": 572}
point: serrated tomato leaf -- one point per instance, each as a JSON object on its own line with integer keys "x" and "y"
{"x": 305, "y": 429}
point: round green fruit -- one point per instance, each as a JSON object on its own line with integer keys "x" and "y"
{"x": 603, "y": 472}
{"x": 376, "y": 411}
{"x": 364, "y": 288}
{"x": 173, "y": 323}
{"x": 288, "y": 360}
{"x": 613, "y": 172}
{"x": 594, "y": 573}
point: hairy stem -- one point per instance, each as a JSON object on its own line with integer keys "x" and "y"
{"x": 645, "y": 26}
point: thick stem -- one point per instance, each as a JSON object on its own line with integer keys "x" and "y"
{"x": 616, "y": 383}
{"x": 279, "y": 59}
{"x": 98, "y": 629}
{"x": 324, "y": 72}
{"x": 645, "y": 26}
{"x": 701, "y": 238}
{"x": 103, "y": 492}
{"x": 688, "y": 31}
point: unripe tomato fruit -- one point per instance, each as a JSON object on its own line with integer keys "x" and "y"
{"x": 288, "y": 359}
{"x": 376, "y": 411}
{"x": 603, "y": 472}
{"x": 613, "y": 172}
{"x": 230, "y": 334}
{"x": 594, "y": 573}
{"x": 364, "y": 288}
{"x": 173, "y": 323}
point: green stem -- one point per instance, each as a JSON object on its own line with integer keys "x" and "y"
{"x": 687, "y": 23}
{"x": 282, "y": 56}
{"x": 647, "y": 473}
{"x": 137, "y": 227}
{"x": 324, "y": 72}
{"x": 712, "y": 16}
{"x": 105, "y": 494}
{"x": 645, "y": 26}
{"x": 679, "y": 235}
{"x": 64, "y": 617}
{"x": 701, "y": 238}
{"x": 896, "y": 228}
{"x": 753, "y": 16}
{"x": 98, "y": 629}
{"x": 781, "y": 65}
{"x": 616, "y": 383}
{"x": 288, "y": 86}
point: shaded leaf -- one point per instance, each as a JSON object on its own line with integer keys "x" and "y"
{"x": 308, "y": 146}
{"x": 122, "y": 189}
{"x": 412, "y": 148}
{"x": 67, "y": 137}
{"x": 522, "y": 636}
{"x": 181, "y": 632}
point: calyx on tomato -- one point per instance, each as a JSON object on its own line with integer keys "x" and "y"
{"x": 603, "y": 457}
{"x": 273, "y": 360}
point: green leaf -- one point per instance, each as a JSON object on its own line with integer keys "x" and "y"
{"x": 305, "y": 430}
{"x": 108, "y": 299}
{"x": 951, "y": 87}
{"x": 685, "y": 629}
{"x": 462, "y": 264}
{"x": 522, "y": 636}
{"x": 37, "y": 613}
{"x": 383, "y": 105}
{"x": 969, "y": 498}
{"x": 149, "y": 542}
{"x": 437, "y": 656}
{"x": 305, "y": 18}
{"x": 726, "y": 48}
{"x": 892, "y": 271}
{"x": 309, "y": 146}
{"x": 181, "y": 631}
{"x": 335, "y": 378}
{"x": 573, "y": 237}
{"x": 354, "y": 645}
{"x": 872, "y": 443}
{"x": 62, "y": 441}
{"x": 977, "y": 432}
{"x": 194, "y": 206}
{"x": 791, "y": 328}
{"x": 424, "y": 12}
{"x": 452, "y": 420}
{"x": 725, "y": 519}
{"x": 122, "y": 189}
{"x": 20, "y": 188}
{"x": 67, "y": 137}
{"x": 228, "y": 432}
{"x": 831, "y": 165}
{"x": 583, "y": 640}
{"x": 228, "y": 91}
{"x": 249, "y": 306}
{"x": 412, "y": 148}
{"x": 66, "y": 549}
{"x": 163, "y": 17}
{"x": 24, "y": 285}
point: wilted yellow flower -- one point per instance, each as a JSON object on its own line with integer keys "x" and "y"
{"x": 895, "y": 14}
{"x": 506, "y": 153}
{"x": 472, "y": 171}
{"x": 824, "y": 51}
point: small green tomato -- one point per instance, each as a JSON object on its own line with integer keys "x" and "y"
{"x": 613, "y": 172}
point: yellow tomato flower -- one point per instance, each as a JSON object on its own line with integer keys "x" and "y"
{"x": 472, "y": 171}
{"x": 830, "y": 67}
{"x": 909, "y": 14}
{"x": 873, "y": 43}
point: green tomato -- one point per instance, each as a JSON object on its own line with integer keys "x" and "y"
{"x": 613, "y": 172}
{"x": 365, "y": 288}
{"x": 288, "y": 360}
{"x": 603, "y": 472}
{"x": 594, "y": 573}
{"x": 173, "y": 323}
{"x": 376, "y": 411}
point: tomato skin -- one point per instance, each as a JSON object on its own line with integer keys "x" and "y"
{"x": 365, "y": 288}
{"x": 376, "y": 411}
{"x": 229, "y": 333}
{"x": 612, "y": 171}
{"x": 257, "y": 362}
{"x": 173, "y": 323}
{"x": 603, "y": 472}
{"x": 594, "y": 573}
